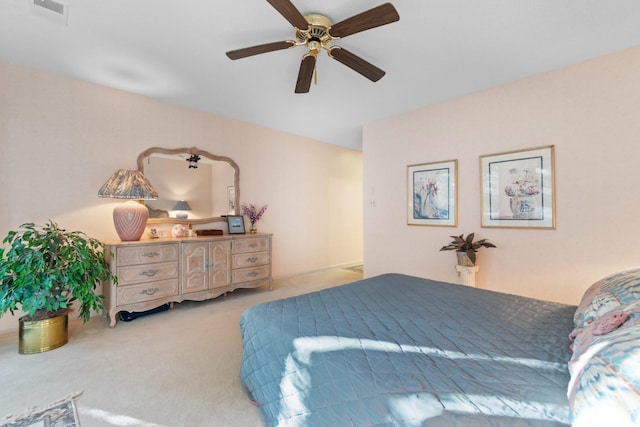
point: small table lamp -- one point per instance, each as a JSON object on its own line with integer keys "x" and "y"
{"x": 130, "y": 218}
{"x": 181, "y": 207}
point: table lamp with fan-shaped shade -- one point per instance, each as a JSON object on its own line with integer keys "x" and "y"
{"x": 130, "y": 218}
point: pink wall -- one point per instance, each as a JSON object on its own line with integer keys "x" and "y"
{"x": 60, "y": 139}
{"x": 589, "y": 112}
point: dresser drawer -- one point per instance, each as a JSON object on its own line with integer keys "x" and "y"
{"x": 147, "y": 273}
{"x": 249, "y": 274}
{"x": 256, "y": 244}
{"x": 132, "y": 255}
{"x": 147, "y": 291}
{"x": 250, "y": 259}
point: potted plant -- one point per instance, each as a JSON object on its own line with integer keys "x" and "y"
{"x": 45, "y": 269}
{"x": 254, "y": 214}
{"x": 466, "y": 248}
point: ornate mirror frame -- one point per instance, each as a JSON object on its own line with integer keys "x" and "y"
{"x": 201, "y": 153}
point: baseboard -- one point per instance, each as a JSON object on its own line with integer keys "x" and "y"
{"x": 317, "y": 270}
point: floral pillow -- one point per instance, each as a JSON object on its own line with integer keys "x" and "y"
{"x": 605, "y": 380}
{"x": 583, "y": 338}
{"x": 616, "y": 290}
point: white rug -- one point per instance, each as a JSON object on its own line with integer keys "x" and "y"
{"x": 62, "y": 413}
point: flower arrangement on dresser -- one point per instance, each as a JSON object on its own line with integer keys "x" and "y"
{"x": 254, "y": 214}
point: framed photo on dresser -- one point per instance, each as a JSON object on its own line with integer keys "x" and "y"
{"x": 236, "y": 224}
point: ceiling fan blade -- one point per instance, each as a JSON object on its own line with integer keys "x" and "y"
{"x": 305, "y": 74}
{"x": 372, "y": 18}
{"x": 262, "y": 48}
{"x": 356, "y": 63}
{"x": 290, "y": 13}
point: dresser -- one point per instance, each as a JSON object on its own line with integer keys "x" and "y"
{"x": 155, "y": 272}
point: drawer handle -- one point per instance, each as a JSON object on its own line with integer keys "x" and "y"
{"x": 253, "y": 245}
{"x": 253, "y": 274}
{"x": 150, "y": 273}
{"x": 252, "y": 259}
{"x": 150, "y": 291}
{"x": 151, "y": 254}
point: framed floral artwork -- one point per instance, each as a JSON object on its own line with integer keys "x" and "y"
{"x": 432, "y": 197}
{"x": 518, "y": 189}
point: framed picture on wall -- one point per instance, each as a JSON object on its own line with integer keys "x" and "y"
{"x": 432, "y": 196}
{"x": 518, "y": 189}
{"x": 236, "y": 224}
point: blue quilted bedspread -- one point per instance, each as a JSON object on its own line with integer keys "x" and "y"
{"x": 396, "y": 350}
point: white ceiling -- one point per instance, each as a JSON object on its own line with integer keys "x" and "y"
{"x": 440, "y": 49}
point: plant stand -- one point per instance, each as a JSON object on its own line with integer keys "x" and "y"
{"x": 467, "y": 274}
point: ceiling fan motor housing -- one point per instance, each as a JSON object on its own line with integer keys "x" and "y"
{"x": 317, "y": 35}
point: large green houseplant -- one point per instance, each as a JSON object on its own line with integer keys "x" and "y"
{"x": 467, "y": 246}
{"x": 45, "y": 269}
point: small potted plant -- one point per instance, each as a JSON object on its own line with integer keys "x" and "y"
{"x": 254, "y": 214}
{"x": 466, "y": 248}
{"x": 43, "y": 270}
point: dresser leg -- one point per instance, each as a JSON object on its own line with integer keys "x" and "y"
{"x": 113, "y": 318}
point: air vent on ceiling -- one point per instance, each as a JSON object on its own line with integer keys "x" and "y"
{"x": 54, "y": 10}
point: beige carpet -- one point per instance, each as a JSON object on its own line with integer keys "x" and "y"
{"x": 176, "y": 368}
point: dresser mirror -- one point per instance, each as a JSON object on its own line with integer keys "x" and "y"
{"x": 194, "y": 186}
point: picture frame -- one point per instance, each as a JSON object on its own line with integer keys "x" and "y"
{"x": 518, "y": 189}
{"x": 236, "y": 224}
{"x": 432, "y": 194}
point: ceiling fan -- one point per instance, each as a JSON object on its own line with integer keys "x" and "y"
{"x": 316, "y": 32}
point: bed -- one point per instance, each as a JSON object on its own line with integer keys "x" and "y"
{"x": 396, "y": 350}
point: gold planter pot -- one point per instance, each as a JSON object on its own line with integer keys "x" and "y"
{"x": 38, "y": 336}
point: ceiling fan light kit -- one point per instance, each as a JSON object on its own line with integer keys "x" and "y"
{"x": 317, "y": 32}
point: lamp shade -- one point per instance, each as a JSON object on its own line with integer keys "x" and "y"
{"x": 129, "y": 219}
{"x": 182, "y": 205}
{"x": 128, "y": 184}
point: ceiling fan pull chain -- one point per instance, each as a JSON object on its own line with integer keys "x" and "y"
{"x": 315, "y": 75}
